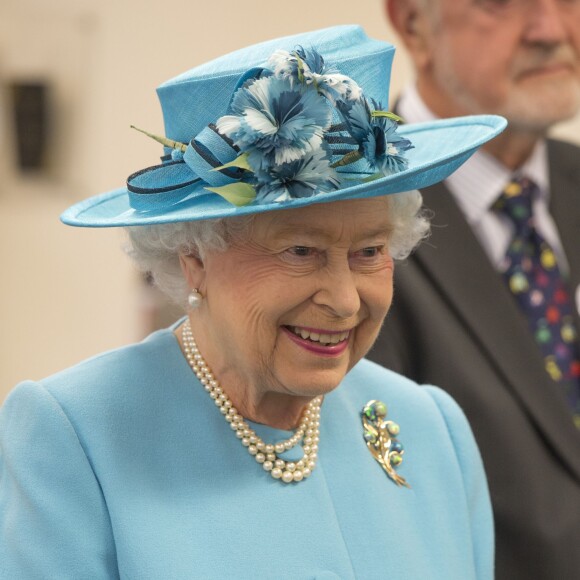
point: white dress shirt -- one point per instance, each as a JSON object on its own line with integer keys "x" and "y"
{"x": 479, "y": 182}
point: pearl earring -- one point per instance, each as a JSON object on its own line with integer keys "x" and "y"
{"x": 194, "y": 298}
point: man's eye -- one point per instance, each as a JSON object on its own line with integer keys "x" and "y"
{"x": 499, "y": 4}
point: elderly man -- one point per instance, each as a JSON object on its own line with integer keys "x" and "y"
{"x": 489, "y": 308}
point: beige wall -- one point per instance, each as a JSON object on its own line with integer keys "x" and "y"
{"x": 68, "y": 293}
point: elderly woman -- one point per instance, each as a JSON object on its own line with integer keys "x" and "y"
{"x": 251, "y": 439}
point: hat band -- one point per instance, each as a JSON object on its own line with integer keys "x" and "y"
{"x": 206, "y": 152}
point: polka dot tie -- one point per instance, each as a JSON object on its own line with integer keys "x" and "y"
{"x": 531, "y": 272}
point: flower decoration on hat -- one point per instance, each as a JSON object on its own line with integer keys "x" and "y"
{"x": 275, "y": 122}
{"x": 303, "y": 177}
{"x": 294, "y": 129}
{"x": 307, "y": 67}
{"x": 279, "y": 129}
{"x": 375, "y": 132}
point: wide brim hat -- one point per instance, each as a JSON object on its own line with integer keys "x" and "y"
{"x": 282, "y": 124}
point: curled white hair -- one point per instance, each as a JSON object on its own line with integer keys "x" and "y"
{"x": 156, "y": 249}
{"x": 409, "y": 221}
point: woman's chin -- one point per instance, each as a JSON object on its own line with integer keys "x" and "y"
{"x": 315, "y": 383}
{"x": 313, "y": 369}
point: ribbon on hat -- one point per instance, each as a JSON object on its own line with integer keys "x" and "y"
{"x": 293, "y": 129}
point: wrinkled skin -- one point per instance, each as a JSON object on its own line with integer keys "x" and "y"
{"x": 324, "y": 267}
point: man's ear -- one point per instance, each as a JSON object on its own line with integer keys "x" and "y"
{"x": 193, "y": 270}
{"x": 412, "y": 24}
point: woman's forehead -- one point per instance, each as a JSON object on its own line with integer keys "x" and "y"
{"x": 361, "y": 217}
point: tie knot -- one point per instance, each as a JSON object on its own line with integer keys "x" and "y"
{"x": 515, "y": 202}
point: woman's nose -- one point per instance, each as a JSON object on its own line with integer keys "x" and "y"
{"x": 338, "y": 291}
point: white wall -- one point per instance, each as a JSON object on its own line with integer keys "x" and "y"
{"x": 67, "y": 293}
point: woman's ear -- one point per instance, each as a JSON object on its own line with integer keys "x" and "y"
{"x": 410, "y": 20}
{"x": 193, "y": 270}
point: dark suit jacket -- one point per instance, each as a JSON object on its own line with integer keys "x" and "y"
{"x": 454, "y": 324}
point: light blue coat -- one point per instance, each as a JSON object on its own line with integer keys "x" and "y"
{"x": 123, "y": 467}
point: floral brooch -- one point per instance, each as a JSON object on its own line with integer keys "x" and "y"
{"x": 381, "y": 439}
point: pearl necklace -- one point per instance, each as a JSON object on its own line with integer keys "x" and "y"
{"x": 267, "y": 455}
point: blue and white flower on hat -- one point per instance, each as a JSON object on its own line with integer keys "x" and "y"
{"x": 304, "y": 177}
{"x": 275, "y": 122}
{"x": 306, "y": 66}
{"x": 375, "y": 132}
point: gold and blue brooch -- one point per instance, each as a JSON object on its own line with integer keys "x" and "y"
{"x": 381, "y": 439}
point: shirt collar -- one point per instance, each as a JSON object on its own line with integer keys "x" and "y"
{"x": 478, "y": 182}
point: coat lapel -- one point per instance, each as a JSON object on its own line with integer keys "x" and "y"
{"x": 460, "y": 269}
{"x": 564, "y": 162}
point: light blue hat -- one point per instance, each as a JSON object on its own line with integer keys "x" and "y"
{"x": 282, "y": 124}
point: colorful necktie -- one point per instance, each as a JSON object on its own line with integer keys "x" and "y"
{"x": 532, "y": 274}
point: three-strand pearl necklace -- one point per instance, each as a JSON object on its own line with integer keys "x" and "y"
{"x": 307, "y": 434}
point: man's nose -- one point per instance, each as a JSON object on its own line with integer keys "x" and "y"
{"x": 546, "y": 22}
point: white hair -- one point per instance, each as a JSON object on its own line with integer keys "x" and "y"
{"x": 156, "y": 249}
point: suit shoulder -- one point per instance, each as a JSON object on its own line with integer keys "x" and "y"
{"x": 116, "y": 378}
{"x": 563, "y": 156}
{"x": 379, "y": 381}
{"x": 114, "y": 365}
{"x": 557, "y": 146}
{"x": 448, "y": 407}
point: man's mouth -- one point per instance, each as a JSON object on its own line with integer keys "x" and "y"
{"x": 546, "y": 66}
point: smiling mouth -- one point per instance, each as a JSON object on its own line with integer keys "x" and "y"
{"x": 322, "y": 338}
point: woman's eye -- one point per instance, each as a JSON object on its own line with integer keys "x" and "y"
{"x": 302, "y": 251}
{"x": 370, "y": 259}
{"x": 369, "y": 252}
